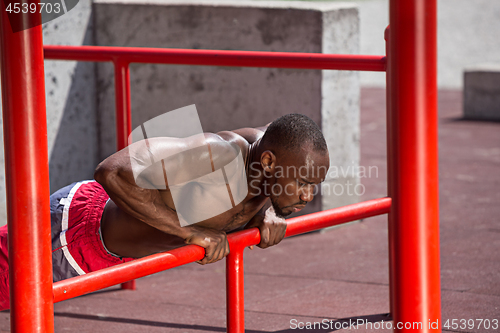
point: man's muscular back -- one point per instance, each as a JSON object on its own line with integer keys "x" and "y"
{"x": 141, "y": 218}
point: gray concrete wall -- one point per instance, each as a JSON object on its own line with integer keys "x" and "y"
{"x": 70, "y": 99}
{"x": 467, "y": 35}
{"x": 340, "y": 96}
{"x": 230, "y": 98}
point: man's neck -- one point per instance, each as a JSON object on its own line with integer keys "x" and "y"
{"x": 253, "y": 168}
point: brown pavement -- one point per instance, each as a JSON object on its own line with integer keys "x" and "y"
{"x": 341, "y": 274}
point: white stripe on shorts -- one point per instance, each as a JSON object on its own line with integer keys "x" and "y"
{"x": 67, "y": 203}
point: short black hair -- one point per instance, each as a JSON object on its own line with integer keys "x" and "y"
{"x": 292, "y": 131}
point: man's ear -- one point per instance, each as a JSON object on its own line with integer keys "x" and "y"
{"x": 268, "y": 161}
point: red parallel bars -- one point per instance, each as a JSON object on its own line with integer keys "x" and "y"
{"x": 414, "y": 256}
{"x": 123, "y": 56}
{"x": 111, "y": 276}
{"x": 27, "y": 176}
{"x": 413, "y": 163}
{"x": 238, "y": 241}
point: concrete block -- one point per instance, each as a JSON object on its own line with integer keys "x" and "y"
{"x": 482, "y": 92}
{"x": 227, "y": 97}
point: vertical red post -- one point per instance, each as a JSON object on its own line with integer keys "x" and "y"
{"x": 122, "y": 101}
{"x": 123, "y": 117}
{"x": 413, "y": 165}
{"x": 235, "y": 291}
{"x": 26, "y": 176}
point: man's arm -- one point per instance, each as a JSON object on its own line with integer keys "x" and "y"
{"x": 145, "y": 204}
{"x": 272, "y": 228}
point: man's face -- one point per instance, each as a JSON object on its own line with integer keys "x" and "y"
{"x": 296, "y": 178}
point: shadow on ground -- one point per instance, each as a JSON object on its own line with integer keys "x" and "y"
{"x": 335, "y": 323}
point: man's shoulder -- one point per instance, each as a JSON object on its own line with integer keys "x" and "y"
{"x": 226, "y": 144}
{"x": 242, "y": 136}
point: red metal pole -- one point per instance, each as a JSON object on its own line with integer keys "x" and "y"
{"x": 122, "y": 99}
{"x": 26, "y": 177}
{"x": 217, "y": 57}
{"x": 235, "y": 291}
{"x": 413, "y": 179}
{"x": 123, "y": 118}
{"x": 114, "y": 275}
{"x": 129, "y": 285}
{"x": 335, "y": 216}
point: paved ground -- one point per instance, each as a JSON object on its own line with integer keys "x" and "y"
{"x": 339, "y": 274}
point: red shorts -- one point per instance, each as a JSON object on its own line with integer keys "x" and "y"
{"x": 77, "y": 248}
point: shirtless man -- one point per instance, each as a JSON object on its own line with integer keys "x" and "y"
{"x": 138, "y": 221}
{"x": 119, "y": 217}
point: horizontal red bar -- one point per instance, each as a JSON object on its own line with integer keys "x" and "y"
{"x": 335, "y": 216}
{"x": 217, "y": 57}
{"x": 155, "y": 263}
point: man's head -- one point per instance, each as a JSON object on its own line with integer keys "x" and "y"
{"x": 294, "y": 158}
